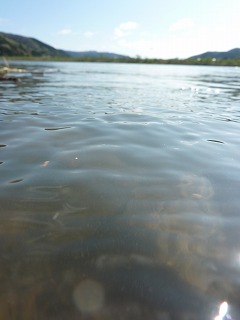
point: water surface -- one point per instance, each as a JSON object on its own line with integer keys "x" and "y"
{"x": 119, "y": 192}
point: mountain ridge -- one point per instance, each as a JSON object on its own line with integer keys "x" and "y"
{"x": 17, "y": 45}
{"x": 231, "y": 54}
{"x": 95, "y": 54}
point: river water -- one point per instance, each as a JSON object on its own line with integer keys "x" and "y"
{"x": 119, "y": 192}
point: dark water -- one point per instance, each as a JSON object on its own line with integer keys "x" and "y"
{"x": 119, "y": 192}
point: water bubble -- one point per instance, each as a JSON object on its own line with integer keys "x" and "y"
{"x": 88, "y": 296}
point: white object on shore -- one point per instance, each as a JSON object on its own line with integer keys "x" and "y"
{"x": 9, "y": 70}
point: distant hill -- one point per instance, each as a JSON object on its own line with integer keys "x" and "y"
{"x": 231, "y": 54}
{"x": 12, "y": 45}
{"x": 95, "y": 54}
{"x": 15, "y": 45}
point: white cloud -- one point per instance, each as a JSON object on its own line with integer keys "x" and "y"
{"x": 144, "y": 47}
{"x": 181, "y": 25}
{"x": 171, "y": 47}
{"x": 65, "y": 32}
{"x": 88, "y": 34}
{"x": 125, "y": 28}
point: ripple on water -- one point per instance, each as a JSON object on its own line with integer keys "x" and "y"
{"x": 121, "y": 216}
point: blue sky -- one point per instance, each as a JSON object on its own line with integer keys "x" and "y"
{"x": 149, "y": 28}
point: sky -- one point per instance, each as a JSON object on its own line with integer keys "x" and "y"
{"x": 146, "y": 28}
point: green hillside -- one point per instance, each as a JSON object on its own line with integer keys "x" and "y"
{"x": 231, "y": 54}
{"x": 15, "y": 45}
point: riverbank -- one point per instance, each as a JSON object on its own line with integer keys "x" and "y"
{"x": 204, "y": 62}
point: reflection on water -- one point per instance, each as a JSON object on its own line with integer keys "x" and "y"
{"x": 119, "y": 192}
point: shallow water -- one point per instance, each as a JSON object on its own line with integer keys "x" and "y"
{"x": 119, "y": 192}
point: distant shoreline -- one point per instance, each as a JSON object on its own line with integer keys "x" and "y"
{"x": 200, "y": 62}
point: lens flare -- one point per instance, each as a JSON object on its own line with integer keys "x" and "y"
{"x": 223, "y": 309}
